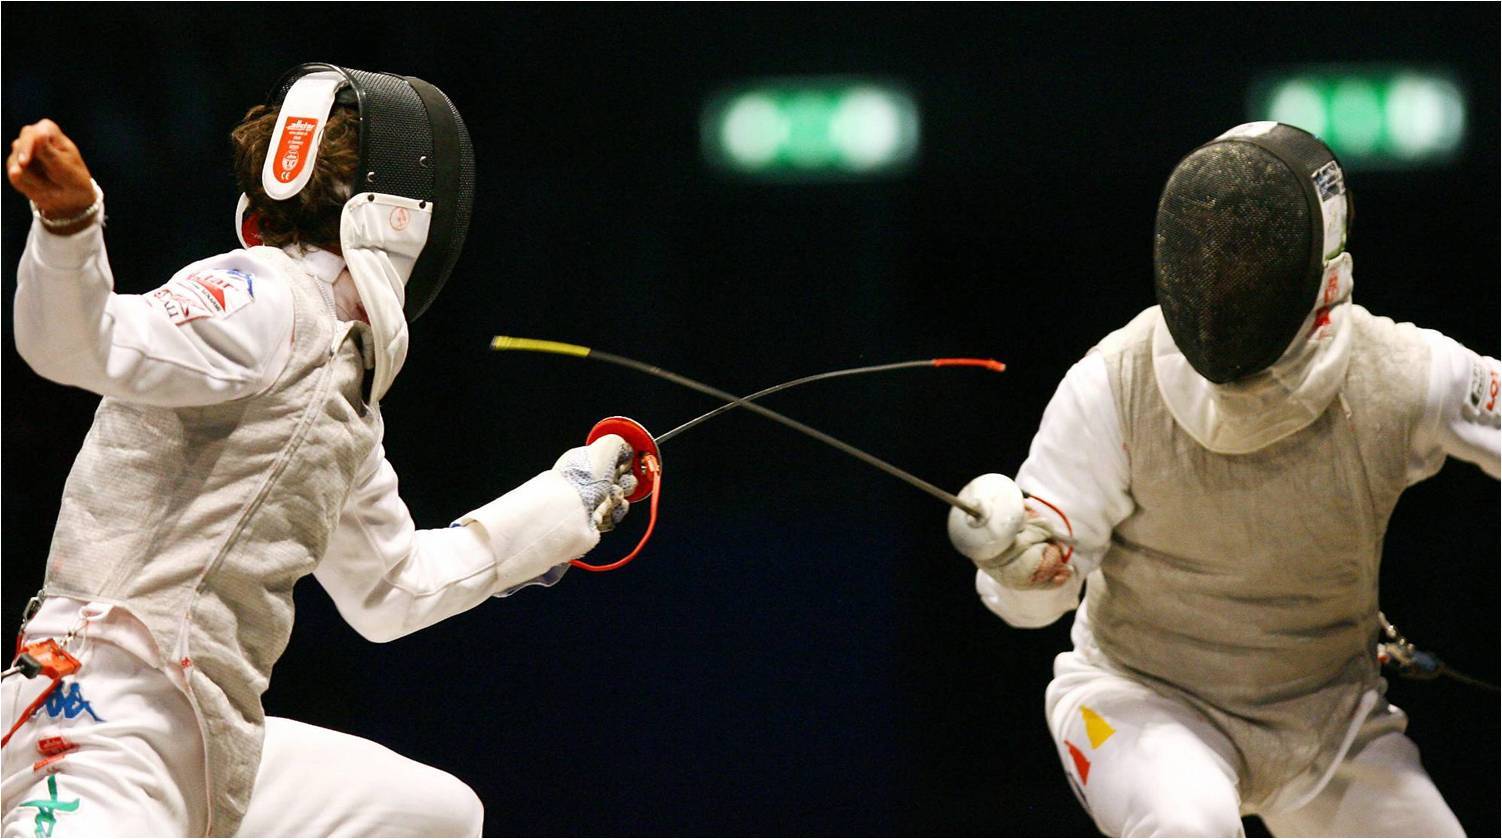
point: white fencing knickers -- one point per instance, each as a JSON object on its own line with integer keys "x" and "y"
{"x": 1147, "y": 765}
{"x": 116, "y": 751}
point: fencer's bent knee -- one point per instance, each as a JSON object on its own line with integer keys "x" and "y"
{"x": 461, "y": 813}
{"x": 474, "y": 810}
{"x": 1165, "y": 808}
{"x": 1173, "y": 794}
{"x": 1191, "y": 821}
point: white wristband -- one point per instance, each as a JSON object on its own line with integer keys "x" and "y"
{"x": 96, "y": 208}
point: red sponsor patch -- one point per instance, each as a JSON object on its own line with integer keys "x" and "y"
{"x": 1484, "y": 394}
{"x": 1081, "y": 763}
{"x": 215, "y": 287}
{"x": 292, "y": 150}
{"x": 179, "y": 307}
{"x": 204, "y": 294}
{"x": 50, "y": 746}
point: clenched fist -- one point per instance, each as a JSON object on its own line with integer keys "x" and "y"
{"x": 45, "y": 166}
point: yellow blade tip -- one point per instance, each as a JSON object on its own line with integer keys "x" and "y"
{"x": 507, "y": 342}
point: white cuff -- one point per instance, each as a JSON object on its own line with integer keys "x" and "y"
{"x": 535, "y": 527}
{"x": 66, "y": 253}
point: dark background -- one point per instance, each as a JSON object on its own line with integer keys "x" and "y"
{"x": 799, "y": 651}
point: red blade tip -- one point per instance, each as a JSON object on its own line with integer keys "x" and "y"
{"x": 988, "y": 363}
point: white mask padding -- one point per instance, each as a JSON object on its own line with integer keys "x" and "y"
{"x": 382, "y": 236}
{"x": 1249, "y": 414}
{"x": 299, "y": 130}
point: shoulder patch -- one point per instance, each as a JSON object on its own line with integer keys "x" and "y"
{"x": 212, "y": 293}
{"x": 1482, "y": 396}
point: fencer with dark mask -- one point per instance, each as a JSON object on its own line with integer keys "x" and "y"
{"x": 1228, "y": 462}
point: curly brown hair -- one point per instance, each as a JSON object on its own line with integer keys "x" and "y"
{"x": 310, "y": 218}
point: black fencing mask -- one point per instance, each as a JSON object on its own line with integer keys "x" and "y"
{"x": 1245, "y": 226}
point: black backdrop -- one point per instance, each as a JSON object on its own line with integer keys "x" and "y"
{"x": 799, "y": 650}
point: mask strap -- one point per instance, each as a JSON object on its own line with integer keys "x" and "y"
{"x": 299, "y": 127}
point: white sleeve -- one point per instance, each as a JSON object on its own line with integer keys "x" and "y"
{"x": 219, "y": 330}
{"x": 1078, "y": 463}
{"x": 1462, "y": 411}
{"x": 388, "y": 578}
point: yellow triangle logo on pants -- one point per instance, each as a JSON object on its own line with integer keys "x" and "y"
{"x": 1097, "y": 729}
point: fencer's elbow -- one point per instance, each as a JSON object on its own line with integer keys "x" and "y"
{"x": 42, "y": 358}
{"x": 28, "y": 354}
{"x": 377, "y": 634}
{"x": 1026, "y": 609}
{"x": 31, "y": 346}
{"x": 374, "y": 627}
{"x": 1018, "y": 620}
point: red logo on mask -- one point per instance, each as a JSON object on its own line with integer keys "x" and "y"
{"x": 292, "y": 151}
{"x": 1322, "y": 314}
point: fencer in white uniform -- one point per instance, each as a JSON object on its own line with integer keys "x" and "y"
{"x": 237, "y": 448}
{"x": 1226, "y": 517}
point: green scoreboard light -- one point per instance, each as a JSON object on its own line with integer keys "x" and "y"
{"x": 811, "y": 128}
{"x": 1371, "y": 117}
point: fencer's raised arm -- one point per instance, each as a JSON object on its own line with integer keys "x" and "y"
{"x": 1078, "y": 463}
{"x": 388, "y": 578}
{"x": 219, "y": 329}
{"x": 1463, "y": 411}
{"x": 195, "y": 341}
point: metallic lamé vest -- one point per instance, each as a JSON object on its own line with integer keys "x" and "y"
{"x": 1246, "y": 585}
{"x": 200, "y": 520}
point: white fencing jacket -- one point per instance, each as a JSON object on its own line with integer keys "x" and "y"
{"x": 1078, "y": 460}
{"x": 232, "y": 454}
{"x": 1246, "y": 584}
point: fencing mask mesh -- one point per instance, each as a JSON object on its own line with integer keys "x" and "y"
{"x": 1244, "y": 226}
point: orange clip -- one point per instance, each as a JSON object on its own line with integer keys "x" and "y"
{"x": 54, "y": 661}
{"x": 49, "y": 659}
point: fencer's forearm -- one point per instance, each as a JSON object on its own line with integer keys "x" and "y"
{"x": 1077, "y": 461}
{"x": 533, "y": 529}
{"x": 1463, "y": 414}
{"x": 62, "y": 285}
{"x": 1078, "y": 464}
{"x": 389, "y": 579}
{"x": 443, "y": 573}
{"x": 1029, "y": 609}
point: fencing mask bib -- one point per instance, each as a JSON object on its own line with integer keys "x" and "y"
{"x": 404, "y": 224}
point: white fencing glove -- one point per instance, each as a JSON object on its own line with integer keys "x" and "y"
{"x": 601, "y": 473}
{"x": 1012, "y": 544}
